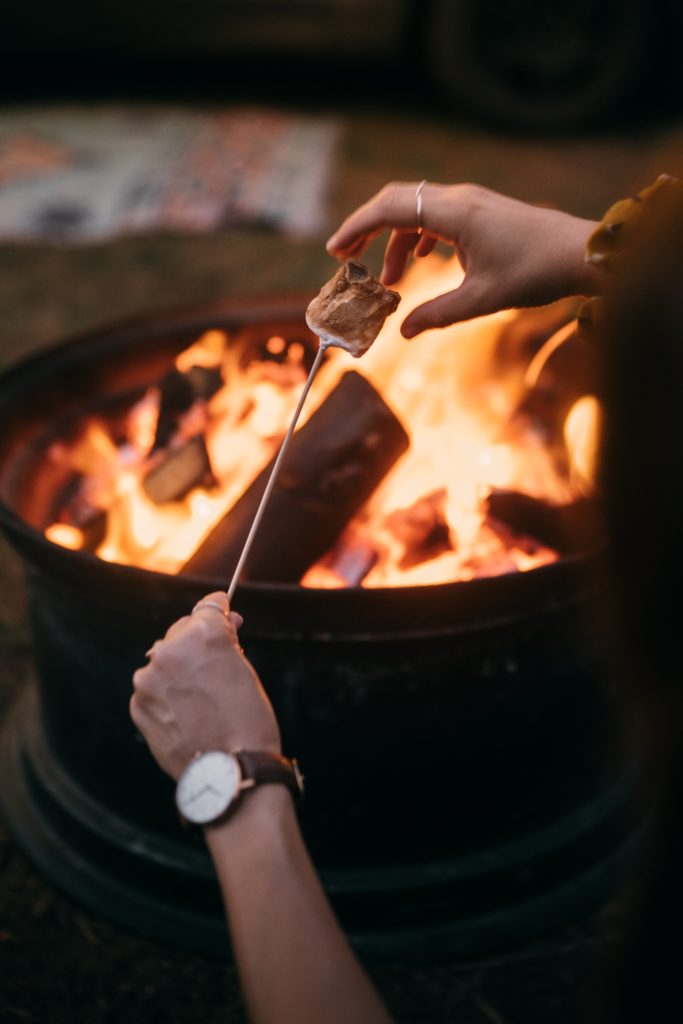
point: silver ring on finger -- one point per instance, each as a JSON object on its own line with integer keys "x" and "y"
{"x": 210, "y": 604}
{"x": 419, "y": 203}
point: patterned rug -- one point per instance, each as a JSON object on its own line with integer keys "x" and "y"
{"x": 83, "y": 174}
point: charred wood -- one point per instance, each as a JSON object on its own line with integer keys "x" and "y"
{"x": 422, "y": 529}
{"x": 335, "y": 462}
{"x": 567, "y": 529}
{"x": 180, "y": 470}
{"x": 178, "y": 391}
{"x": 204, "y": 381}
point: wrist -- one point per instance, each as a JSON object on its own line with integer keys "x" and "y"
{"x": 587, "y": 280}
{"x": 262, "y": 814}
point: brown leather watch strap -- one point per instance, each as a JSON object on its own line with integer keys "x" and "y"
{"x": 271, "y": 768}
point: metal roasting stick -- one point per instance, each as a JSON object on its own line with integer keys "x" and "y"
{"x": 274, "y": 474}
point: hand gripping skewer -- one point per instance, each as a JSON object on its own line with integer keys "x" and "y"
{"x": 274, "y": 474}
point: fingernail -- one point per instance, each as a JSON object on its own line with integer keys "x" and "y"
{"x": 408, "y": 332}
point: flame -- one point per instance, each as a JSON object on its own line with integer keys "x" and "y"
{"x": 533, "y": 371}
{"x": 456, "y": 415}
{"x": 207, "y": 351}
{"x": 456, "y": 410}
{"x": 68, "y": 536}
{"x": 142, "y": 422}
{"x": 582, "y": 437}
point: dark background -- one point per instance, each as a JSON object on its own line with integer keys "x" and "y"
{"x": 523, "y": 64}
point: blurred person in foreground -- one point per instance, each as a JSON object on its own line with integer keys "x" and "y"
{"x": 198, "y": 693}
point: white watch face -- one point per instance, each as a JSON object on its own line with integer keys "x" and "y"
{"x": 207, "y": 787}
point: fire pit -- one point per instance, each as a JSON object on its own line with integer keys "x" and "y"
{"x": 457, "y": 739}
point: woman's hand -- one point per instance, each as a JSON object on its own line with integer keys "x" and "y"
{"x": 513, "y": 254}
{"x": 199, "y": 692}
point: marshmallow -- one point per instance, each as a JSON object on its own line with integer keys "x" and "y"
{"x": 350, "y": 310}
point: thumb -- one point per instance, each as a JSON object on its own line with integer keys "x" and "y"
{"x": 463, "y": 303}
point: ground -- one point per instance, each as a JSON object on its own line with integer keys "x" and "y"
{"x": 59, "y": 963}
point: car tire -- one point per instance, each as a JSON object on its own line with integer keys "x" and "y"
{"x": 536, "y": 66}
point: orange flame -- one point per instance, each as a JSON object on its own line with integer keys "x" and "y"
{"x": 582, "y": 436}
{"x": 68, "y": 536}
{"x": 456, "y": 411}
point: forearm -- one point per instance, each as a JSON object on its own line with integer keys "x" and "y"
{"x": 294, "y": 962}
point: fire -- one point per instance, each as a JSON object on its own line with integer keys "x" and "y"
{"x": 206, "y": 351}
{"x": 426, "y": 523}
{"x": 68, "y": 536}
{"x": 582, "y": 435}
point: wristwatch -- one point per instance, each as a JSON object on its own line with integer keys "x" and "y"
{"x": 213, "y": 781}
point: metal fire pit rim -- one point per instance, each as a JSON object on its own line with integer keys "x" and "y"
{"x": 568, "y": 579}
{"x": 455, "y": 607}
{"x": 256, "y": 306}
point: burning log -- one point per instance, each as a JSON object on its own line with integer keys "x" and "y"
{"x": 178, "y": 391}
{"x": 180, "y": 470}
{"x": 423, "y": 529}
{"x": 335, "y": 462}
{"x": 568, "y": 529}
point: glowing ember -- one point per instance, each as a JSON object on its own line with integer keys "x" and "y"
{"x": 424, "y": 524}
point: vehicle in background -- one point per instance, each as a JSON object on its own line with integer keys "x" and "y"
{"x": 526, "y": 64}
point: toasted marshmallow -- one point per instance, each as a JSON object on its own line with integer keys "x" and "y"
{"x": 350, "y": 310}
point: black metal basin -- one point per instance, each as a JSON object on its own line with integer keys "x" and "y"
{"x": 457, "y": 740}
